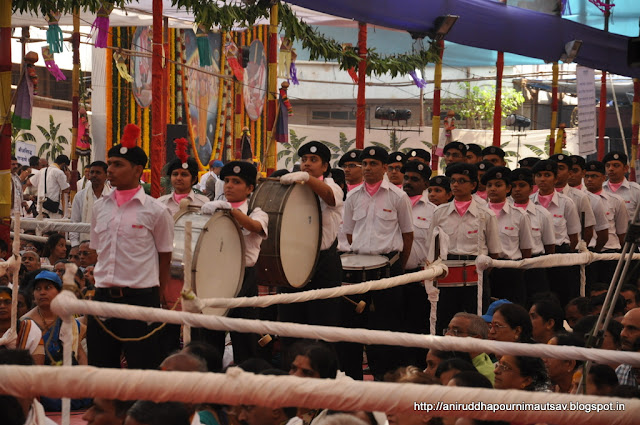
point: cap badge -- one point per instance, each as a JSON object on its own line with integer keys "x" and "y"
{"x": 353, "y": 155}
{"x": 123, "y": 150}
{"x": 481, "y": 166}
{"x": 313, "y": 149}
{"x": 438, "y": 180}
{"x": 372, "y": 151}
{"x": 560, "y": 157}
{"x": 465, "y": 172}
{"x": 498, "y": 175}
{"x": 185, "y": 165}
{"x": 398, "y": 158}
{"x": 420, "y": 167}
{"x": 413, "y": 153}
{"x": 236, "y": 169}
{"x": 616, "y": 156}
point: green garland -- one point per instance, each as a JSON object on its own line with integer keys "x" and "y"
{"x": 210, "y": 14}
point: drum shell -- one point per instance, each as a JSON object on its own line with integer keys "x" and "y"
{"x": 217, "y": 266}
{"x": 364, "y": 273}
{"x": 461, "y": 273}
{"x": 273, "y": 198}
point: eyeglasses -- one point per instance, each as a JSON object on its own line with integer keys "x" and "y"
{"x": 85, "y": 253}
{"x": 5, "y": 301}
{"x": 497, "y": 326}
{"x": 459, "y": 181}
{"x": 351, "y": 165}
{"x": 503, "y": 367}
{"x": 395, "y": 168}
{"x": 454, "y": 332}
{"x": 74, "y": 257}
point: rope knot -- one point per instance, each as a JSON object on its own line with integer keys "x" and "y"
{"x": 234, "y": 372}
{"x": 483, "y": 262}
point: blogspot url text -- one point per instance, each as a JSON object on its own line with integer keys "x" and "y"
{"x": 495, "y": 407}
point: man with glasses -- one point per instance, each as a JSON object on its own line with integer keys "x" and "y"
{"x": 474, "y": 326}
{"x": 352, "y": 166}
{"x": 394, "y": 166}
{"x": 454, "y": 153}
{"x": 470, "y": 229}
{"x": 88, "y": 257}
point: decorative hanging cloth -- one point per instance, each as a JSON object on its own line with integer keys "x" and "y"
{"x": 121, "y": 65}
{"x": 204, "y": 47}
{"x": 101, "y": 25}
{"x": 83, "y": 142}
{"x": 351, "y": 71}
{"x": 284, "y": 58}
{"x": 51, "y": 64}
{"x": 54, "y": 33}
{"x": 293, "y": 71}
{"x": 27, "y": 89}
{"x": 232, "y": 53}
{"x": 245, "y": 141}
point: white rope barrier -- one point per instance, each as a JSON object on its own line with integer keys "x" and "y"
{"x": 58, "y": 225}
{"x": 238, "y": 387}
{"x": 193, "y": 304}
{"x": 484, "y": 262}
{"x": 66, "y": 304}
{"x": 33, "y": 238}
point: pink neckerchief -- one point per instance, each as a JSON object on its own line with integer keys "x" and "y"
{"x": 372, "y": 189}
{"x": 352, "y": 186}
{"x": 461, "y": 206}
{"x": 560, "y": 189}
{"x": 399, "y": 186}
{"x": 523, "y": 206}
{"x": 535, "y": 189}
{"x": 496, "y": 208}
{"x": 598, "y": 192}
{"x": 123, "y": 196}
{"x": 482, "y": 194}
{"x": 179, "y": 196}
{"x": 237, "y": 204}
{"x": 545, "y": 200}
{"x": 415, "y": 199}
{"x": 321, "y": 178}
{"x": 578, "y": 187}
{"x": 615, "y": 186}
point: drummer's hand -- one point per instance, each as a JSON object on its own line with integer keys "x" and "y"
{"x": 213, "y": 206}
{"x": 298, "y": 176}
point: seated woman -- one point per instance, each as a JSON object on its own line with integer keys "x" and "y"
{"x": 29, "y": 335}
{"x": 54, "y": 249}
{"x": 183, "y": 172}
{"x": 435, "y": 357}
{"x": 561, "y": 371}
{"x": 521, "y": 373}
{"x": 511, "y": 323}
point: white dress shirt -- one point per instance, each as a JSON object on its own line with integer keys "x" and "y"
{"x": 128, "y": 239}
{"x": 202, "y": 185}
{"x": 56, "y": 183}
{"x": 583, "y": 205}
{"x": 252, "y": 240}
{"x": 475, "y": 233}
{"x": 422, "y": 213}
{"x": 542, "y": 230}
{"x": 81, "y": 212}
{"x": 629, "y": 191}
{"x": 515, "y": 232}
{"x": 377, "y": 222}
{"x": 565, "y": 216}
{"x": 331, "y": 216}
{"x": 617, "y": 219}
{"x": 170, "y": 202}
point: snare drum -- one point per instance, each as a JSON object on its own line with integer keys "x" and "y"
{"x": 217, "y": 268}
{"x": 360, "y": 268}
{"x": 289, "y": 255}
{"x": 461, "y": 273}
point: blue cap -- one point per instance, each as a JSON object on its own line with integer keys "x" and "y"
{"x": 217, "y": 163}
{"x": 50, "y": 276}
{"x": 488, "y": 316}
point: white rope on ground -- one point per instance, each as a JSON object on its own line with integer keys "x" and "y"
{"x": 193, "y": 304}
{"x": 49, "y": 225}
{"x": 238, "y": 387}
{"x": 66, "y": 304}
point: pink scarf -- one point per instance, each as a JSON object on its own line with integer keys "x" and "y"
{"x": 578, "y": 187}
{"x": 482, "y": 194}
{"x": 372, "y": 189}
{"x": 123, "y": 196}
{"x": 545, "y": 200}
{"x": 237, "y": 204}
{"x": 535, "y": 188}
{"x": 179, "y": 196}
{"x": 523, "y": 206}
{"x": 415, "y": 199}
{"x": 496, "y": 208}
{"x": 352, "y": 186}
{"x": 461, "y": 206}
{"x": 615, "y": 186}
{"x": 598, "y": 192}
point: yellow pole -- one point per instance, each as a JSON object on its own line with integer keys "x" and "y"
{"x": 5, "y": 119}
{"x": 272, "y": 89}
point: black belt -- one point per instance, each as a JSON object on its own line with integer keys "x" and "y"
{"x": 121, "y": 292}
{"x": 418, "y": 269}
{"x": 333, "y": 247}
{"x": 563, "y": 249}
{"x": 611, "y": 251}
{"x": 460, "y": 257}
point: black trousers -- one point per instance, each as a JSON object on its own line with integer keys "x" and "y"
{"x": 536, "y": 281}
{"x": 416, "y": 309}
{"x": 104, "y": 350}
{"x": 564, "y": 281}
{"x": 509, "y": 284}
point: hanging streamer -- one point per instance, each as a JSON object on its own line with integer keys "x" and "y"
{"x": 232, "y": 53}
{"x": 418, "y": 80}
{"x": 101, "y": 25}
{"x": 293, "y": 71}
{"x": 54, "y": 33}
{"x": 121, "y": 65}
{"x": 204, "y": 47}
{"x": 284, "y": 58}
{"x": 51, "y": 65}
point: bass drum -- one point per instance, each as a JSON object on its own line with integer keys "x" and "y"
{"x": 289, "y": 255}
{"x": 217, "y": 268}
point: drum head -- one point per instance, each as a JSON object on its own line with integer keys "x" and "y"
{"x": 218, "y": 255}
{"x": 300, "y": 235}
{"x": 363, "y": 262}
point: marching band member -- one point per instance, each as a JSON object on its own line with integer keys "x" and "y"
{"x": 418, "y": 155}
{"x": 239, "y": 182}
{"x": 377, "y": 220}
{"x": 352, "y": 166}
{"x": 563, "y": 280}
{"x": 515, "y": 236}
{"x": 416, "y": 303}
{"x": 494, "y": 155}
{"x": 474, "y": 153}
{"x": 471, "y": 230}
{"x": 394, "y": 165}
{"x": 439, "y": 190}
{"x": 315, "y": 170}
{"x": 183, "y": 172}
{"x": 542, "y": 230}
{"x": 616, "y": 165}
{"x": 480, "y": 194}
{"x": 577, "y": 172}
{"x": 454, "y": 152}
{"x": 133, "y": 235}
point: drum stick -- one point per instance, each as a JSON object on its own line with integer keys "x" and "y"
{"x": 360, "y": 305}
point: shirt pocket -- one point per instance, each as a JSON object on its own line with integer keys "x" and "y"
{"x": 421, "y": 226}
{"x": 387, "y": 221}
{"x": 509, "y": 231}
{"x": 359, "y": 214}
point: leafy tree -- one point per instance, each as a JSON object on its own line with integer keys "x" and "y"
{"x": 290, "y": 150}
{"x": 53, "y": 145}
{"x": 18, "y": 135}
{"x": 479, "y": 103}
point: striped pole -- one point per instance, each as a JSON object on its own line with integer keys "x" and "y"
{"x": 554, "y": 109}
{"x": 5, "y": 120}
{"x": 157, "y": 102}
{"x": 75, "y": 95}
{"x": 497, "y": 113}
{"x": 435, "y": 120}
{"x": 361, "y": 103}
{"x": 272, "y": 90}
